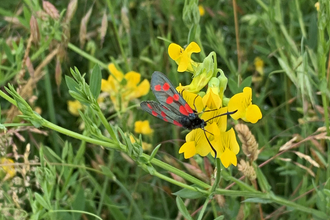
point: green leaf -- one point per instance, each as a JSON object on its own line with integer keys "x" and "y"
{"x": 246, "y": 83}
{"x": 42, "y": 201}
{"x": 65, "y": 150}
{"x": 189, "y": 194}
{"x": 154, "y": 152}
{"x": 258, "y": 200}
{"x": 95, "y": 81}
{"x": 232, "y": 84}
{"x": 78, "y": 203}
{"x": 263, "y": 183}
{"x": 182, "y": 208}
{"x": 49, "y": 150}
{"x": 71, "y": 83}
{"x": 221, "y": 217}
{"x": 106, "y": 171}
{"x": 8, "y": 53}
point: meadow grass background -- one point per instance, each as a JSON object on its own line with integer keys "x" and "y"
{"x": 62, "y": 177}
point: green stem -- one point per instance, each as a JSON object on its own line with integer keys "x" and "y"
{"x": 214, "y": 186}
{"x": 87, "y": 56}
{"x": 78, "y": 136}
{"x": 117, "y": 35}
{"x": 105, "y": 123}
{"x": 178, "y": 172}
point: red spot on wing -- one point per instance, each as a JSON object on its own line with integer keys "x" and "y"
{"x": 154, "y": 113}
{"x": 165, "y": 107}
{"x": 158, "y": 87}
{"x": 189, "y": 110}
{"x": 149, "y": 106}
{"x": 169, "y": 100}
{"x": 176, "y": 97}
{"x": 163, "y": 114}
{"x": 183, "y": 110}
{"x": 166, "y": 86}
{"x": 165, "y": 119}
{"x": 177, "y": 123}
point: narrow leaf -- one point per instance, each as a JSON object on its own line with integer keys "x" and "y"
{"x": 189, "y": 194}
{"x": 42, "y": 201}
{"x": 72, "y": 85}
{"x": 95, "y": 81}
{"x": 182, "y": 208}
{"x": 154, "y": 152}
{"x": 8, "y": 53}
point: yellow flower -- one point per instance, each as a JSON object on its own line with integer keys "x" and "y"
{"x": 317, "y": 6}
{"x": 242, "y": 102}
{"x": 145, "y": 146}
{"x": 143, "y": 127}
{"x": 201, "y": 10}
{"x": 8, "y": 170}
{"x": 259, "y": 65}
{"x": 212, "y": 99}
{"x": 224, "y": 143}
{"x": 124, "y": 88}
{"x": 182, "y": 56}
{"x": 193, "y": 100}
{"x": 74, "y": 106}
{"x": 228, "y": 148}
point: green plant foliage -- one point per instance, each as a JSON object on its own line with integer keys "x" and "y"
{"x": 83, "y": 148}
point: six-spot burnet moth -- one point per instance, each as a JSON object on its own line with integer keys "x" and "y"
{"x": 172, "y": 107}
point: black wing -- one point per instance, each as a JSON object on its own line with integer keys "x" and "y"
{"x": 161, "y": 112}
{"x": 167, "y": 95}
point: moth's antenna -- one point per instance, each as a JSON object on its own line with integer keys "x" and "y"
{"x": 215, "y": 152}
{"x": 194, "y": 103}
{"x": 227, "y": 113}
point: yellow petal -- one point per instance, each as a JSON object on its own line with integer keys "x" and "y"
{"x": 175, "y": 51}
{"x": 228, "y": 157}
{"x": 142, "y": 89}
{"x": 188, "y": 149}
{"x": 184, "y": 63}
{"x": 143, "y": 127}
{"x": 115, "y": 72}
{"x": 253, "y": 114}
{"x": 193, "y": 100}
{"x": 74, "y": 106}
{"x": 212, "y": 100}
{"x": 237, "y": 103}
{"x": 232, "y": 141}
{"x": 203, "y": 147}
{"x": 9, "y": 170}
{"x": 220, "y": 120}
{"x": 192, "y": 48}
{"x": 201, "y": 10}
{"x": 133, "y": 78}
{"x": 132, "y": 139}
{"x": 146, "y": 146}
{"x": 105, "y": 86}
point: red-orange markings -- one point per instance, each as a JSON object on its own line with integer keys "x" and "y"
{"x": 158, "y": 87}
{"x": 169, "y": 100}
{"x": 183, "y": 110}
{"x": 176, "y": 97}
{"x": 177, "y": 123}
{"x": 166, "y": 86}
{"x": 189, "y": 110}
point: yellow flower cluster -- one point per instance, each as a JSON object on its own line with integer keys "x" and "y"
{"x": 6, "y": 170}
{"x": 124, "y": 88}
{"x": 212, "y": 105}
